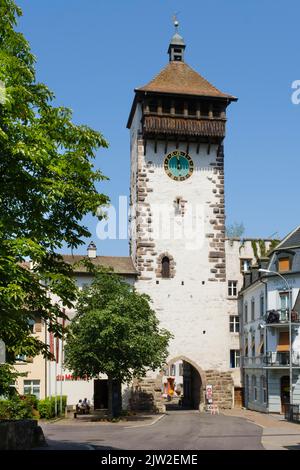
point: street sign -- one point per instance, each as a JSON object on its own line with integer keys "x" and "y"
{"x": 2, "y": 352}
{"x": 209, "y": 393}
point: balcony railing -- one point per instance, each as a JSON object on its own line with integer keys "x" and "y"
{"x": 272, "y": 359}
{"x": 281, "y": 316}
{"x": 257, "y": 361}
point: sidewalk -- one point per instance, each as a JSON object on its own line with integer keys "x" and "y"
{"x": 278, "y": 434}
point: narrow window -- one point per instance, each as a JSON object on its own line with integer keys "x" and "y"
{"x": 232, "y": 288}
{"x": 252, "y": 310}
{"x": 234, "y": 324}
{"x": 262, "y": 306}
{"x": 263, "y": 389}
{"x": 246, "y": 312}
{"x": 254, "y": 388}
{"x": 234, "y": 358}
{"x": 165, "y": 267}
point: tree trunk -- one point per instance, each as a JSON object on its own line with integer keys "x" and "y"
{"x": 114, "y": 398}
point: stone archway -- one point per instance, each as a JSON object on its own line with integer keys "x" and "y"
{"x": 190, "y": 384}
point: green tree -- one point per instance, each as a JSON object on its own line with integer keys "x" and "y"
{"x": 114, "y": 332}
{"x": 235, "y": 230}
{"x": 47, "y": 185}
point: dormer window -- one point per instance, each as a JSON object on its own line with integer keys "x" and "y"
{"x": 284, "y": 262}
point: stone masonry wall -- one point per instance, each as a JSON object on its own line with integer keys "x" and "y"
{"x": 145, "y": 252}
{"x": 146, "y": 396}
{"x": 222, "y": 386}
{"x": 217, "y": 221}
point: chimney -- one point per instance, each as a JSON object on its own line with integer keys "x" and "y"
{"x": 92, "y": 250}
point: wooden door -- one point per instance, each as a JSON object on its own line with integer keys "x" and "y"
{"x": 238, "y": 397}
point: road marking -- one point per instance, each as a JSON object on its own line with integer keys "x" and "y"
{"x": 145, "y": 425}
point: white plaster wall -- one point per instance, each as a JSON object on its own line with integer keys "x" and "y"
{"x": 193, "y": 312}
{"x": 236, "y": 250}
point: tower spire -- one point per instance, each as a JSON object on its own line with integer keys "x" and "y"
{"x": 177, "y": 45}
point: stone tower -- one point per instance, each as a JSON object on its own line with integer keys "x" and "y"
{"x": 177, "y": 128}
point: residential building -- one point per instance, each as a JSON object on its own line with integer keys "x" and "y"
{"x": 265, "y": 303}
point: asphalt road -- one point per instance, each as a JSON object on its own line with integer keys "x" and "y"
{"x": 178, "y": 430}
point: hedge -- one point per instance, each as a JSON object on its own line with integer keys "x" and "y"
{"x": 46, "y": 407}
{"x": 29, "y": 407}
{"x": 15, "y": 408}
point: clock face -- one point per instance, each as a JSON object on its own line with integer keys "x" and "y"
{"x": 178, "y": 165}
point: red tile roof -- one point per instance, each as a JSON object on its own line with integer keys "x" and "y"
{"x": 180, "y": 78}
{"x": 120, "y": 264}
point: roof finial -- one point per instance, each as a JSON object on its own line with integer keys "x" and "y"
{"x": 175, "y": 21}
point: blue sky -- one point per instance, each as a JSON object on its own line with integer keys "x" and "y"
{"x": 93, "y": 53}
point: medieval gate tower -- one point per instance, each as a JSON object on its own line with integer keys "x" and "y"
{"x": 177, "y": 128}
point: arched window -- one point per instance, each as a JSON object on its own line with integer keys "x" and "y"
{"x": 165, "y": 267}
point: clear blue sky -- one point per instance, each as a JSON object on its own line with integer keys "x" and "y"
{"x": 93, "y": 53}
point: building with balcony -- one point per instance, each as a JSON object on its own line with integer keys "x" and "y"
{"x": 269, "y": 309}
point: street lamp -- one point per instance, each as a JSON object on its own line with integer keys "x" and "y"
{"x": 290, "y": 326}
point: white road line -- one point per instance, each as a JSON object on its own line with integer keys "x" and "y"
{"x": 145, "y": 425}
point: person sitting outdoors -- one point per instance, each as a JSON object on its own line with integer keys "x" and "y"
{"x": 86, "y": 406}
{"x": 80, "y": 407}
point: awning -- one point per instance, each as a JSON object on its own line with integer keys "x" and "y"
{"x": 260, "y": 347}
{"x": 283, "y": 342}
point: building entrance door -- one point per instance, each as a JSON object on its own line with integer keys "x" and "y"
{"x": 284, "y": 391}
{"x": 100, "y": 394}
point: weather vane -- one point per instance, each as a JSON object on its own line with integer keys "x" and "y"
{"x": 175, "y": 21}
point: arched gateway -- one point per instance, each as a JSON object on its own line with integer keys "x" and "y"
{"x": 180, "y": 384}
{"x": 183, "y": 384}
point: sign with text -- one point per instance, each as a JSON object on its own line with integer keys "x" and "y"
{"x": 209, "y": 393}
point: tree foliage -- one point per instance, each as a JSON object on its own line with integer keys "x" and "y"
{"x": 115, "y": 332}
{"x": 47, "y": 185}
{"x": 235, "y": 230}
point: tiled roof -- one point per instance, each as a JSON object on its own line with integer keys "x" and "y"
{"x": 292, "y": 240}
{"x": 180, "y": 78}
{"x": 120, "y": 264}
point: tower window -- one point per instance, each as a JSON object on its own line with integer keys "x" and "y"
{"x": 204, "y": 109}
{"x": 152, "y": 106}
{"x": 165, "y": 267}
{"x": 166, "y": 107}
{"x": 179, "y": 107}
{"x": 192, "y": 108}
{"x": 232, "y": 289}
